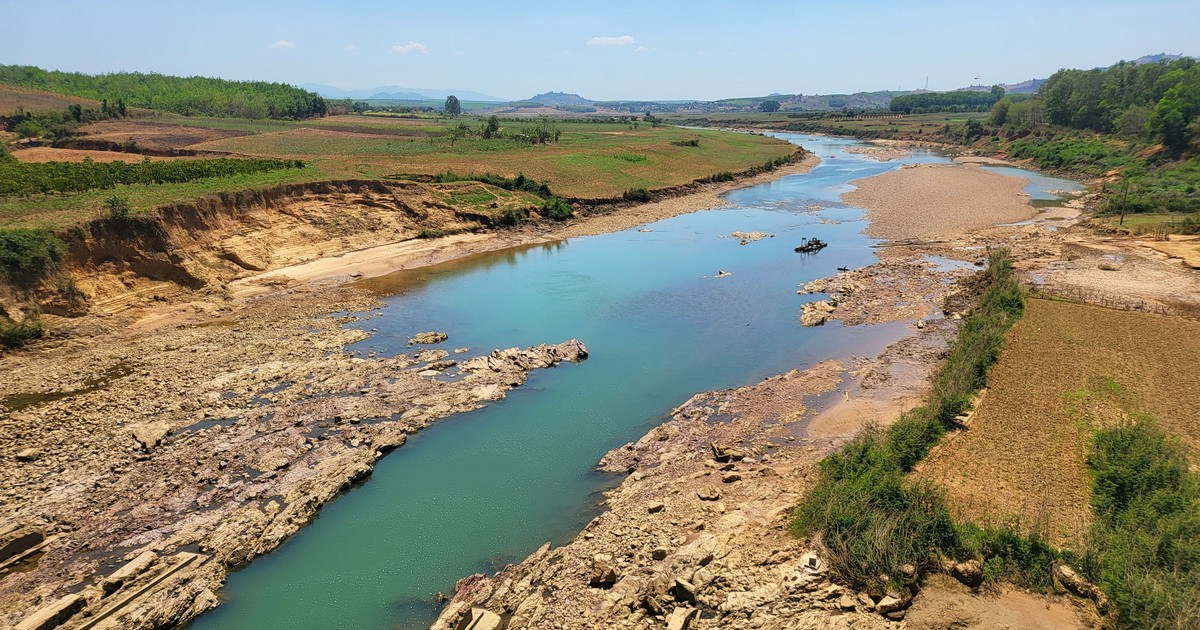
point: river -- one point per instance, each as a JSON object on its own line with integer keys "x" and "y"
{"x": 486, "y": 488}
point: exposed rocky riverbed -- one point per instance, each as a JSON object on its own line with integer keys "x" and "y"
{"x": 207, "y": 446}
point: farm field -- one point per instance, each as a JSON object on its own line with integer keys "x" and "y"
{"x": 153, "y": 134}
{"x": 1066, "y": 370}
{"x": 49, "y": 154}
{"x": 13, "y": 98}
{"x": 590, "y": 159}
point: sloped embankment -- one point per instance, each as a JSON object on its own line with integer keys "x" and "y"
{"x": 199, "y": 246}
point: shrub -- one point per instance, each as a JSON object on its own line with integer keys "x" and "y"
{"x": 74, "y": 299}
{"x": 118, "y": 207}
{"x": 723, "y": 176}
{"x": 511, "y": 217}
{"x": 558, "y": 209}
{"x": 18, "y": 334}
{"x": 27, "y": 255}
{"x": 870, "y": 520}
{"x": 640, "y": 195}
{"x": 1147, "y": 529}
{"x": 28, "y": 129}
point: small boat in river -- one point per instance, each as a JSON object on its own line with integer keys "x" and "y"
{"x": 811, "y": 246}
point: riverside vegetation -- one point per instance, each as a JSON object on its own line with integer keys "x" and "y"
{"x": 883, "y": 532}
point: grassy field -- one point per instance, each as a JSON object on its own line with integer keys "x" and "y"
{"x": 1064, "y": 367}
{"x": 590, "y": 159}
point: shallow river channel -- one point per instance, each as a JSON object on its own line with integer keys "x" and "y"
{"x": 479, "y": 490}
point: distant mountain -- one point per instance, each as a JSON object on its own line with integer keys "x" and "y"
{"x": 554, "y": 99}
{"x": 1025, "y": 87}
{"x": 399, "y": 96}
{"x": 1155, "y": 58}
{"x": 400, "y": 93}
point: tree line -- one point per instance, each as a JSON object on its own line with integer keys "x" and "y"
{"x": 958, "y": 101}
{"x": 54, "y": 125}
{"x": 190, "y": 96}
{"x": 1155, "y": 101}
{"x": 24, "y": 179}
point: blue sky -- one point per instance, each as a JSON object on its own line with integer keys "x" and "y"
{"x": 601, "y": 49}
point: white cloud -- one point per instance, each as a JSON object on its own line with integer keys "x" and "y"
{"x": 283, "y": 43}
{"x": 350, "y": 47}
{"x": 643, "y": 49}
{"x": 611, "y": 40}
{"x": 410, "y": 47}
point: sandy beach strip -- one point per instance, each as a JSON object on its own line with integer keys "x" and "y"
{"x": 936, "y": 201}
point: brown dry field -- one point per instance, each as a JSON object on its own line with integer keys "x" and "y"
{"x": 12, "y": 97}
{"x": 1024, "y": 449}
{"x": 48, "y": 154}
{"x": 153, "y": 135}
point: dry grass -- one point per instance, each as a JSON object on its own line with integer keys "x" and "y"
{"x": 48, "y": 154}
{"x": 155, "y": 135}
{"x": 1023, "y": 452}
{"x": 12, "y": 98}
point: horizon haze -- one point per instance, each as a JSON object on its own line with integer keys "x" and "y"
{"x": 621, "y": 51}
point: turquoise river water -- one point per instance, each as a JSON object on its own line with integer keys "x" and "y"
{"x": 482, "y": 489}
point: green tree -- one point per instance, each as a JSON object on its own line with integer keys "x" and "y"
{"x": 768, "y": 106}
{"x": 1000, "y": 112}
{"x": 458, "y": 132}
{"x": 491, "y": 128}
{"x": 453, "y": 107}
{"x": 120, "y": 91}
